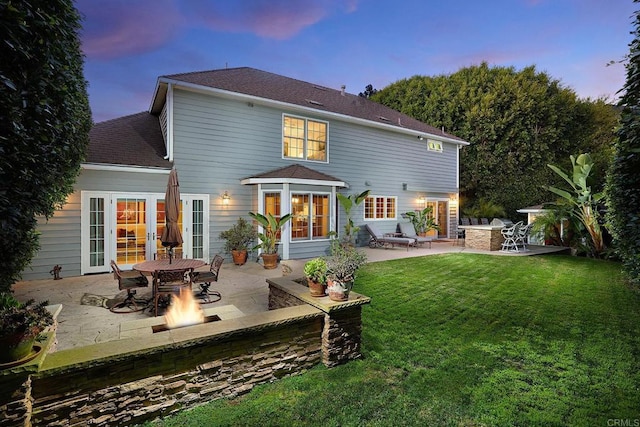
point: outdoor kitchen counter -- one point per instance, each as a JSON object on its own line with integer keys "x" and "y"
{"x": 483, "y": 237}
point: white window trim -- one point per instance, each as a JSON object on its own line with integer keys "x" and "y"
{"x": 311, "y": 194}
{"x": 386, "y": 218}
{"x": 306, "y": 127}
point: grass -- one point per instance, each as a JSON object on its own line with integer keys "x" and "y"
{"x": 469, "y": 340}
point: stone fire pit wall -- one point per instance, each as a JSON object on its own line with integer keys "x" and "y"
{"x": 132, "y": 380}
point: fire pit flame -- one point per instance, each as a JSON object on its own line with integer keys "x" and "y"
{"x": 184, "y": 310}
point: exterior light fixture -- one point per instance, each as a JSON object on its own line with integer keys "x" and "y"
{"x": 225, "y": 198}
{"x": 421, "y": 201}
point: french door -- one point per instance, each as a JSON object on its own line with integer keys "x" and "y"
{"x": 126, "y": 227}
{"x": 440, "y": 213}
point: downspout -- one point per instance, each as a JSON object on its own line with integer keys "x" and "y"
{"x": 169, "y": 155}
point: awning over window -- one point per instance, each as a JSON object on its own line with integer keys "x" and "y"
{"x": 294, "y": 174}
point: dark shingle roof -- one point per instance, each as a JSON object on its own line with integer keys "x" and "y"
{"x": 134, "y": 140}
{"x": 262, "y": 84}
{"x": 297, "y": 172}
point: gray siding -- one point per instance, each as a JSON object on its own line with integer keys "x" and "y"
{"x": 219, "y": 141}
{"x": 60, "y": 236}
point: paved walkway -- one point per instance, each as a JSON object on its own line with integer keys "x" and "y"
{"x": 244, "y": 287}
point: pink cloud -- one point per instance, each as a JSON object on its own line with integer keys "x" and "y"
{"x": 121, "y": 28}
{"x": 277, "y": 19}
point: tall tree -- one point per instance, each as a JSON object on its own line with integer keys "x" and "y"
{"x": 517, "y": 123}
{"x": 44, "y": 121}
{"x": 623, "y": 184}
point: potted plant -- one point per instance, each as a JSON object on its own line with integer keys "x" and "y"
{"x": 316, "y": 272}
{"x": 342, "y": 266}
{"x": 238, "y": 238}
{"x": 20, "y": 324}
{"x": 422, "y": 220}
{"x": 348, "y": 202}
{"x": 271, "y": 227}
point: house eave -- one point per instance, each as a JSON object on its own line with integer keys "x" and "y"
{"x": 124, "y": 168}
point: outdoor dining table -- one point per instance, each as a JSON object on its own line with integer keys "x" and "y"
{"x": 163, "y": 264}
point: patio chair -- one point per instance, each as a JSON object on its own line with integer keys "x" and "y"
{"x": 465, "y": 221}
{"x": 484, "y": 221}
{"x": 167, "y": 283}
{"x": 474, "y": 221}
{"x": 205, "y": 278}
{"x": 510, "y": 235}
{"x": 523, "y": 236}
{"x": 408, "y": 230}
{"x": 379, "y": 240}
{"x": 129, "y": 281}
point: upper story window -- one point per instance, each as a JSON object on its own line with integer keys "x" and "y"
{"x": 434, "y": 145}
{"x": 304, "y": 139}
{"x": 380, "y": 207}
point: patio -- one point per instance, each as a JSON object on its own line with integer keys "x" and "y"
{"x": 244, "y": 287}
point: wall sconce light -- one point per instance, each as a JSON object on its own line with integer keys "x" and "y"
{"x": 453, "y": 198}
{"x": 225, "y": 198}
{"x": 421, "y": 201}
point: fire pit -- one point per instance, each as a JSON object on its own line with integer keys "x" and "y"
{"x": 166, "y": 327}
{"x": 145, "y": 327}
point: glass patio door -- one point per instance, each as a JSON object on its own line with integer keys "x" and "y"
{"x": 440, "y": 209}
{"x": 131, "y": 230}
{"x": 126, "y": 227}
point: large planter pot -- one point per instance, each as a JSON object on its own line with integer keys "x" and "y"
{"x": 15, "y": 347}
{"x": 239, "y": 257}
{"x": 269, "y": 261}
{"x": 316, "y": 289}
{"x": 339, "y": 291}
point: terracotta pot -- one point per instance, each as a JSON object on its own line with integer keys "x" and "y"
{"x": 269, "y": 261}
{"x": 316, "y": 289}
{"x": 239, "y": 257}
{"x": 340, "y": 292}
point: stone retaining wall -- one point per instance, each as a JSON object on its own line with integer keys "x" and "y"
{"x": 132, "y": 380}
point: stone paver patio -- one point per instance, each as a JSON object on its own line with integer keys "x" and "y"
{"x": 243, "y": 287}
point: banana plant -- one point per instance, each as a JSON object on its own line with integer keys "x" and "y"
{"x": 271, "y": 227}
{"x": 422, "y": 220}
{"x": 582, "y": 198}
{"x": 348, "y": 202}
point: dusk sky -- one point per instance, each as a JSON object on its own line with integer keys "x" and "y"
{"x": 129, "y": 43}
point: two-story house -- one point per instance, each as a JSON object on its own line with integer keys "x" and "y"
{"x": 245, "y": 140}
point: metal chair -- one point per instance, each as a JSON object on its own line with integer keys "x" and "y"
{"x": 510, "y": 235}
{"x": 205, "y": 278}
{"x": 461, "y": 235}
{"x": 129, "y": 281}
{"x": 167, "y": 283}
{"x": 523, "y": 236}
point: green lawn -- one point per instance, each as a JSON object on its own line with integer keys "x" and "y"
{"x": 469, "y": 340}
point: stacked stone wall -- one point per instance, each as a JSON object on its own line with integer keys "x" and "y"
{"x": 133, "y": 380}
